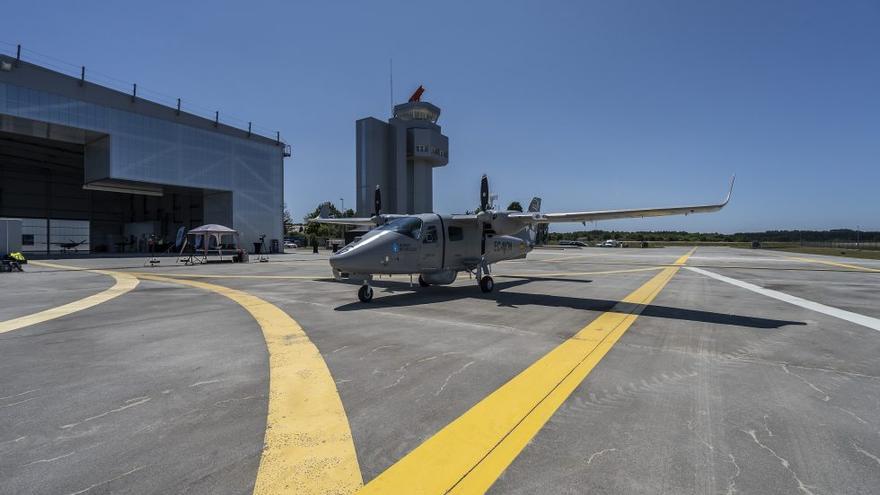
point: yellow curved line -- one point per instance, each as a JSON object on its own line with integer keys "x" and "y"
{"x": 124, "y": 283}
{"x": 307, "y": 447}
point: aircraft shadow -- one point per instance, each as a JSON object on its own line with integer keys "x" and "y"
{"x": 418, "y": 296}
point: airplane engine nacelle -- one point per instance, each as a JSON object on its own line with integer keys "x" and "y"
{"x": 444, "y": 277}
{"x": 504, "y": 225}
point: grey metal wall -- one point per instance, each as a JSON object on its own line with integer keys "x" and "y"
{"x": 149, "y": 149}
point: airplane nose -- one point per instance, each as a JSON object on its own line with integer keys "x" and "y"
{"x": 363, "y": 257}
{"x": 341, "y": 261}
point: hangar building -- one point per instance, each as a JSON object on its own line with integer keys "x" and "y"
{"x": 84, "y": 163}
{"x": 399, "y": 156}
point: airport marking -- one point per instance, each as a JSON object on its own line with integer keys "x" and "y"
{"x": 577, "y": 274}
{"x": 834, "y": 263}
{"x": 124, "y": 283}
{"x": 859, "y": 319}
{"x": 207, "y": 275}
{"x": 307, "y": 447}
{"x": 470, "y": 453}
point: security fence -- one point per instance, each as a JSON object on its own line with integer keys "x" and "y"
{"x": 873, "y": 246}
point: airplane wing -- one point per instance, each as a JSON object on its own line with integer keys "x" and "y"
{"x": 324, "y": 217}
{"x": 589, "y": 216}
{"x": 345, "y": 221}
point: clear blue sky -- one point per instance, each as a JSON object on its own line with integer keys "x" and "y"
{"x": 590, "y": 105}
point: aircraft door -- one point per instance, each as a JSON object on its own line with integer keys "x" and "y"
{"x": 431, "y": 251}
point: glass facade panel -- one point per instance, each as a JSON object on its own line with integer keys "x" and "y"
{"x": 148, "y": 149}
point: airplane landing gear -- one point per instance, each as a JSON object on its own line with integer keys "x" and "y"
{"x": 365, "y": 293}
{"x": 487, "y": 284}
{"x": 422, "y": 282}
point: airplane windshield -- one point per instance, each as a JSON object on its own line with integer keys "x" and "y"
{"x": 408, "y": 226}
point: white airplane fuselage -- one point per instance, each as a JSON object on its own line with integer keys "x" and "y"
{"x": 432, "y": 245}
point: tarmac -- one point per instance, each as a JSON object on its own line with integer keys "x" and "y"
{"x": 587, "y": 371}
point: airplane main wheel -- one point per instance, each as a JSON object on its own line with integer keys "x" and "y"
{"x": 365, "y": 293}
{"x": 487, "y": 284}
{"x": 422, "y": 282}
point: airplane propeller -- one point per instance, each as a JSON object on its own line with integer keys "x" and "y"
{"x": 377, "y": 200}
{"x": 484, "y": 193}
{"x": 484, "y": 206}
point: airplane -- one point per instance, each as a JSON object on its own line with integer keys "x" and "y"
{"x": 67, "y": 246}
{"x": 439, "y": 246}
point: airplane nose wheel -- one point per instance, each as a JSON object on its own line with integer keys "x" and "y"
{"x": 487, "y": 284}
{"x": 365, "y": 293}
{"x": 422, "y": 282}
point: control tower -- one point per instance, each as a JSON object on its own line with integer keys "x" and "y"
{"x": 399, "y": 156}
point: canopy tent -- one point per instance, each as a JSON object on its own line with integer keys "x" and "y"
{"x": 208, "y": 239}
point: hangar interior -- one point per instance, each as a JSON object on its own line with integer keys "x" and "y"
{"x": 41, "y": 181}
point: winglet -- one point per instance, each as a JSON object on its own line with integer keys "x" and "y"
{"x": 729, "y": 191}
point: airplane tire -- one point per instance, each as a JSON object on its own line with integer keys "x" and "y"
{"x": 422, "y": 282}
{"x": 487, "y": 284}
{"x": 365, "y": 293}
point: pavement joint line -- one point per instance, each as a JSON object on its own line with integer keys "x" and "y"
{"x": 124, "y": 283}
{"x": 859, "y": 319}
{"x": 471, "y": 452}
{"x": 307, "y": 447}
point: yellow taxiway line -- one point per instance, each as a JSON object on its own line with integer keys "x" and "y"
{"x": 834, "y": 263}
{"x": 469, "y": 454}
{"x": 124, "y": 283}
{"x": 307, "y": 445}
{"x": 307, "y": 448}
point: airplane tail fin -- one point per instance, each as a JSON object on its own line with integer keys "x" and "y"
{"x": 535, "y": 205}
{"x": 325, "y": 211}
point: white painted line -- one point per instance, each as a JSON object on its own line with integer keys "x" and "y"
{"x": 865, "y": 321}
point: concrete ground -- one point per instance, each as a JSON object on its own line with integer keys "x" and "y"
{"x": 714, "y": 388}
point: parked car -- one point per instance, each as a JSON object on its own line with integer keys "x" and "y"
{"x": 609, "y": 243}
{"x": 290, "y": 245}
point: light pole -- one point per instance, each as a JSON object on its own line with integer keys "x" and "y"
{"x": 342, "y": 202}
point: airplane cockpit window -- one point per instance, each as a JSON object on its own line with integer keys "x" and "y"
{"x": 408, "y": 226}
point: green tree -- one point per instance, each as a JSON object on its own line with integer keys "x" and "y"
{"x": 514, "y": 206}
{"x": 286, "y": 220}
{"x": 325, "y": 231}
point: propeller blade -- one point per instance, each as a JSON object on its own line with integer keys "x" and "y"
{"x": 484, "y": 193}
{"x": 377, "y": 200}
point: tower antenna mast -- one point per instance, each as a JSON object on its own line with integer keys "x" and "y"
{"x": 391, "y": 83}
